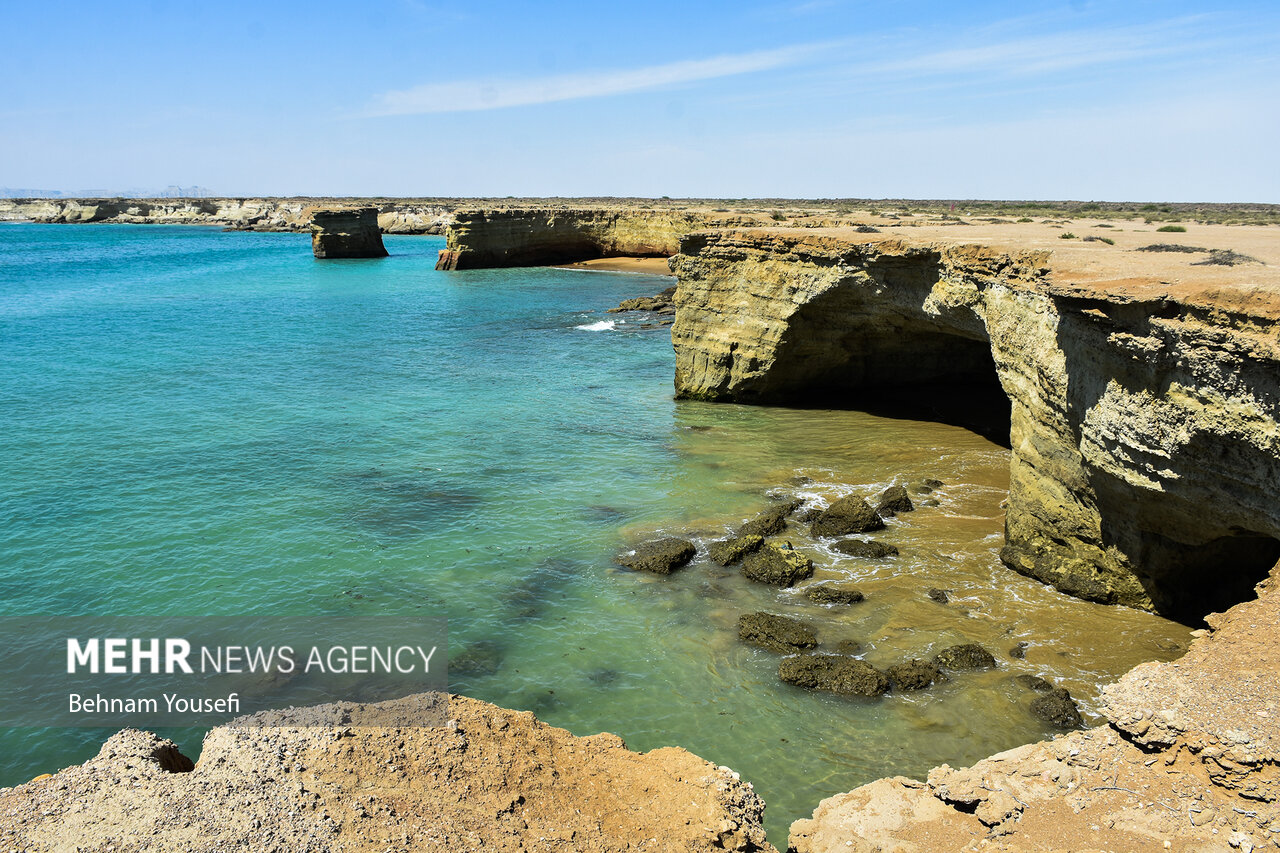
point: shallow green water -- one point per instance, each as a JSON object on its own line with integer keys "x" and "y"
{"x": 216, "y": 425}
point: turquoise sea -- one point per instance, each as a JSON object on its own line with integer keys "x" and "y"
{"x": 216, "y": 427}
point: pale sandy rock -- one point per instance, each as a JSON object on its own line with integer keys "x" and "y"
{"x": 490, "y": 780}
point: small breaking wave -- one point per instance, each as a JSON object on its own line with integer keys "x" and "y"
{"x": 602, "y": 326}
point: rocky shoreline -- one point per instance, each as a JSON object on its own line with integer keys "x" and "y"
{"x": 1145, "y": 430}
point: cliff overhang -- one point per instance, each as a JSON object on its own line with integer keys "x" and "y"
{"x": 1144, "y": 422}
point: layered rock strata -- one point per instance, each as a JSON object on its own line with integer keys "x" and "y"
{"x": 1188, "y": 761}
{"x": 347, "y": 233}
{"x": 491, "y": 779}
{"x": 241, "y": 214}
{"x": 1145, "y": 423}
{"x": 532, "y": 236}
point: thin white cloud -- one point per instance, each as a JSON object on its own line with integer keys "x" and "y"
{"x": 471, "y": 95}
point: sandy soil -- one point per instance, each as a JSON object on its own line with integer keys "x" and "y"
{"x": 648, "y": 266}
{"x": 1115, "y": 270}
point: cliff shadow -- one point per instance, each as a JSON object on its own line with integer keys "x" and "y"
{"x": 844, "y": 350}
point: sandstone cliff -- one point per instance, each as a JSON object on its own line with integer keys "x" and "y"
{"x": 532, "y": 236}
{"x": 347, "y": 233}
{"x": 490, "y": 780}
{"x": 249, "y": 214}
{"x": 1189, "y": 761}
{"x": 1145, "y": 422}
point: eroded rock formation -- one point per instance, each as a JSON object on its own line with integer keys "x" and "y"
{"x": 532, "y": 236}
{"x": 1145, "y": 422}
{"x": 1189, "y": 761}
{"x": 400, "y": 216}
{"x": 347, "y": 233}
{"x": 492, "y": 779}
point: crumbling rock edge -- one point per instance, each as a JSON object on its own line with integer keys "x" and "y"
{"x": 489, "y": 779}
{"x": 1188, "y": 761}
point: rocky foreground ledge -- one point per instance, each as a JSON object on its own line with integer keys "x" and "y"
{"x": 1189, "y": 761}
{"x": 490, "y": 779}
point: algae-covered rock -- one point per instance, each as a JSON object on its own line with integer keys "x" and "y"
{"x": 841, "y": 674}
{"x": 1057, "y": 708}
{"x": 829, "y": 593}
{"x": 726, "y": 552}
{"x": 777, "y": 566}
{"x": 850, "y": 514}
{"x": 660, "y": 556}
{"x": 894, "y": 500}
{"x": 965, "y": 656}
{"x": 1033, "y": 682}
{"x": 914, "y": 675}
{"x": 868, "y": 549}
{"x": 776, "y": 633}
{"x": 770, "y": 522}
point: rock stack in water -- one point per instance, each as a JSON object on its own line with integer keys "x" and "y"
{"x": 347, "y": 233}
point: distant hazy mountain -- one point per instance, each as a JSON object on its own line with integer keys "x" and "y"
{"x": 172, "y": 191}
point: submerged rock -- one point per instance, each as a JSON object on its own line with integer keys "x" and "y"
{"x": 965, "y": 656}
{"x": 894, "y": 500}
{"x": 841, "y": 674}
{"x": 850, "y": 514}
{"x": 914, "y": 675}
{"x": 848, "y": 647}
{"x": 1033, "y": 682}
{"x": 829, "y": 593}
{"x": 1057, "y": 708}
{"x": 660, "y": 556}
{"x": 480, "y": 658}
{"x": 1019, "y": 651}
{"x": 806, "y": 516}
{"x": 777, "y": 566}
{"x": 770, "y": 522}
{"x": 939, "y": 595}
{"x": 726, "y": 552}
{"x": 869, "y": 549}
{"x": 776, "y": 633}
{"x": 347, "y": 233}
{"x": 927, "y": 485}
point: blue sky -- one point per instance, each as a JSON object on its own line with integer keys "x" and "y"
{"x": 801, "y": 98}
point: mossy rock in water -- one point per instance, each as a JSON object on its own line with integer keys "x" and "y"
{"x": 868, "y": 549}
{"x": 1057, "y": 708}
{"x": 1033, "y": 682}
{"x": 894, "y": 500}
{"x": 829, "y": 593}
{"x": 726, "y": 552}
{"x": 927, "y": 485}
{"x": 480, "y": 658}
{"x": 841, "y": 674}
{"x": 776, "y": 633}
{"x": 770, "y": 522}
{"x": 965, "y": 656}
{"x": 777, "y": 566}
{"x": 660, "y": 556}
{"x": 914, "y": 675}
{"x": 850, "y": 514}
